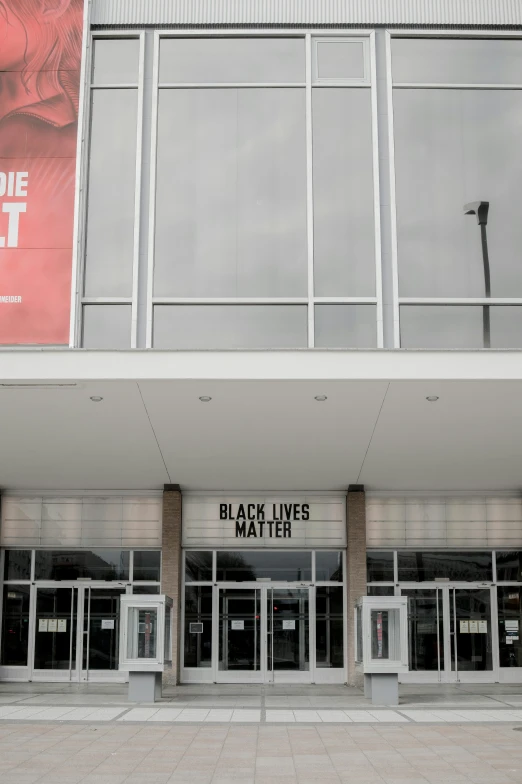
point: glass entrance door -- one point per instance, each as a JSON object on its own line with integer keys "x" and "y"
{"x": 55, "y": 635}
{"x": 450, "y": 634}
{"x": 471, "y": 634}
{"x": 263, "y": 635}
{"x": 239, "y": 631}
{"x": 288, "y": 635}
{"x": 101, "y": 632}
{"x": 426, "y": 632}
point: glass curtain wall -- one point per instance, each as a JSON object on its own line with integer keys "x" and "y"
{"x": 457, "y": 107}
{"x": 108, "y": 283}
{"x": 262, "y": 209}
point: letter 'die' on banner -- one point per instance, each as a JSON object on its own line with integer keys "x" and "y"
{"x": 40, "y": 57}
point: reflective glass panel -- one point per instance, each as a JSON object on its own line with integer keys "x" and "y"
{"x": 102, "y": 622}
{"x": 15, "y": 625}
{"x": 288, "y": 629}
{"x": 441, "y": 326}
{"x": 232, "y": 60}
{"x": 509, "y": 566}
{"x": 340, "y": 59}
{"x": 380, "y": 590}
{"x": 147, "y": 565}
{"x": 55, "y": 630}
{"x": 329, "y": 627}
{"x": 198, "y": 626}
{"x": 230, "y": 326}
{"x": 457, "y": 60}
{"x": 453, "y": 147}
{"x": 111, "y": 194}
{"x": 425, "y": 629}
{"x": 244, "y": 566}
{"x": 231, "y": 194}
{"x": 329, "y": 566}
{"x": 17, "y": 564}
{"x": 198, "y": 566}
{"x": 106, "y": 326}
{"x": 145, "y": 589}
{"x": 116, "y": 60}
{"x": 345, "y": 326}
{"x": 344, "y": 229}
{"x": 240, "y": 629}
{"x": 142, "y": 633}
{"x": 470, "y": 630}
{"x": 379, "y": 566}
{"x": 419, "y": 566}
{"x": 509, "y": 625}
{"x": 74, "y": 564}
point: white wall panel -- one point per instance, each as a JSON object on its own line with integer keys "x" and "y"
{"x": 444, "y": 522}
{"x": 261, "y": 12}
{"x": 81, "y": 522}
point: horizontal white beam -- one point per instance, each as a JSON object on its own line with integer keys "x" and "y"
{"x": 55, "y": 365}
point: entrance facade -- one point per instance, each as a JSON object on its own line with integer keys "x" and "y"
{"x": 67, "y": 629}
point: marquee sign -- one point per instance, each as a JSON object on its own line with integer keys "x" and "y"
{"x": 239, "y": 522}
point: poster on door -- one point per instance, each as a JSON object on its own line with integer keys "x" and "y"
{"x": 40, "y": 56}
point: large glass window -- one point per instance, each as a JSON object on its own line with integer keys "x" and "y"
{"x": 17, "y": 565}
{"x": 230, "y": 326}
{"x": 198, "y": 566}
{"x": 15, "y": 625}
{"x": 147, "y": 565}
{"x": 74, "y": 564}
{"x": 379, "y": 566}
{"x": 244, "y": 566}
{"x": 419, "y": 566}
{"x": 329, "y": 566}
{"x": 509, "y": 625}
{"x": 509, "y": 565}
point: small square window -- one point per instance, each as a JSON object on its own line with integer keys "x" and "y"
{"x": 341, "y": 60}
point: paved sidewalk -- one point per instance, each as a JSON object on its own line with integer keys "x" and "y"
{"x": 125, "y": 753}
{"x": 91, "y": 734}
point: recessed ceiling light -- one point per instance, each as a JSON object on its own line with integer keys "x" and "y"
{"x": 432, "y": 398}
{"x": 205, "y": 399}
{"x": 320, "y": 398}
{"x": 96, "y": 398}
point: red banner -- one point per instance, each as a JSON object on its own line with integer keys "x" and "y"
{"x": 40, "y": 56}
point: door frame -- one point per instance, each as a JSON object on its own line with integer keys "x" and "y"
{"x": 264, "y": 675}
{"x": 446, "y": 674}
{"x": 76, "y": 673}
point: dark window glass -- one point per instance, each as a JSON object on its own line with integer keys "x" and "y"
{"x": 17, "y": 565}
{"x": 418, "y": 566}
{"x": 242, "y": 567}
{"x": 329, "y": 566}
{"x": 425, "y": 629}
{"x": 329, "y": 627}
{"x": 55, "y": 632}
{"x": 74, "y": 564}
{"x": 509, "y": 566}
{"x": 101, "y": 605}
{"x": 15, "y": 625}
{"x": 147, "y": 565}
{"x": 380, "y": 590}
{"x": 198, "y": 566}
{"x": 143, "y": 589}
{"x": 509, "y": 623}
{"x": 198, "y": 639}
{"x": 379, "y": 567}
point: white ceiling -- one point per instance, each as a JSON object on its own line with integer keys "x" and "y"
{"x": 263, "y": 435}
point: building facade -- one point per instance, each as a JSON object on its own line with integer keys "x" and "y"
{"x": 260, "y": 333}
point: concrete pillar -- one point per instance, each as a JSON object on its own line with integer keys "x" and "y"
{"x": 356, "y": 567}
{"x": 171, "y": 571}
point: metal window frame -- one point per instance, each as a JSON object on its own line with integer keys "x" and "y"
{"x": 84, "y": 124}
{"x": 391, "y": 86}
{"x": 310, "y": 36}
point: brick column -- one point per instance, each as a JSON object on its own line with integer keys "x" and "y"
{"x": 356, "y": 567}
{"x": 171, "y": 570}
